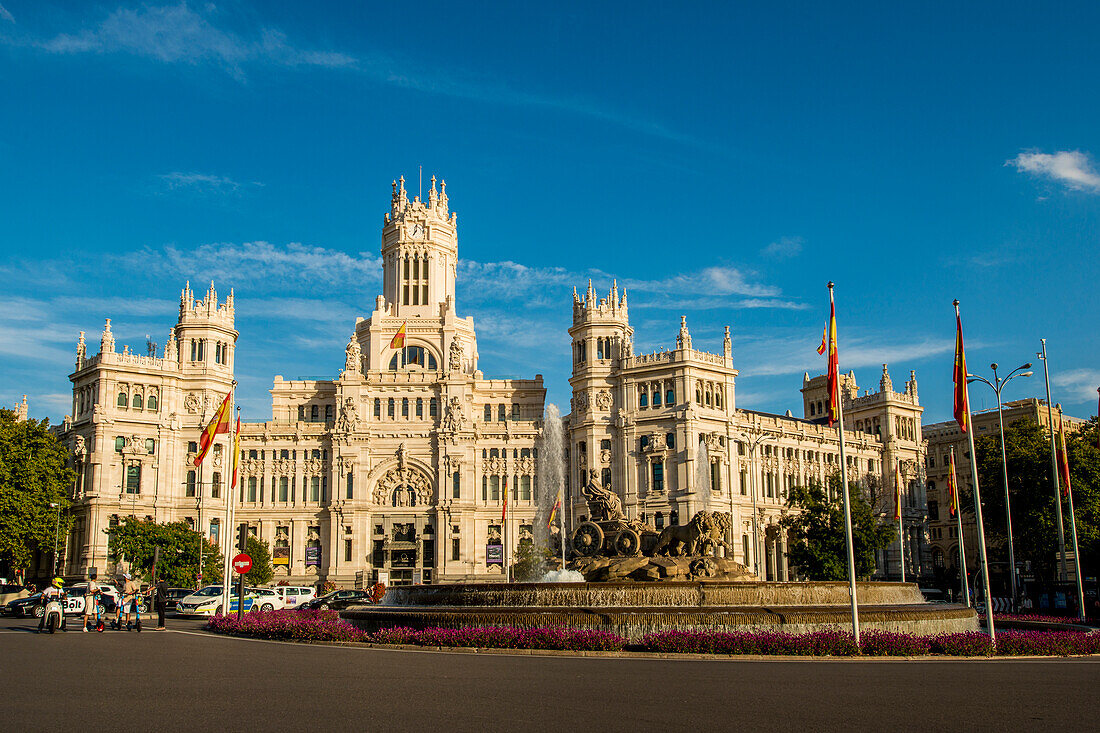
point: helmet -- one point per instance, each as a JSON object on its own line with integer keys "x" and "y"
{"x": 58, "y": 582}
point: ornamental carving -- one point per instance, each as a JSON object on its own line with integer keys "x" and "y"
{"x": 191, "y": 403}
{"x": 352, "y": 356}
{"x": 349, "y": 417}
{"x": 403, "y": 487}
{"x": 580, "y": 401}
{"x": 346, "y": 465}
{"x": 603, "y": 400}
{"x": 283, "y": 466}
{"x": 526, "y": 466}
{"x": 453, "y": 418}
{"x": 253, "y": 466}
{"x": 314, "y": 465}
{"x": 605, "y": 457}
{"x": 454, "y": 362}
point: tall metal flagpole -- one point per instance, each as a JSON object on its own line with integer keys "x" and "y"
{"x": 1073, "y": 529}
{"x": 959, "y": 529}
{"x": 227, "y": 532}
{"x": 844, "y": 483}
{"x": 901, "y": 526}
{"x": 1054, "y": 469}
{"x": 978, "y": 503}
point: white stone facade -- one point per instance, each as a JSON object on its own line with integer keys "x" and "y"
{"x": 645, "y": 422}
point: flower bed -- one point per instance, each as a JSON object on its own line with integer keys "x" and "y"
{"x": 313, "y": 626}
{"x": 322, "y": 626}
{"x": 1040, "y": 618}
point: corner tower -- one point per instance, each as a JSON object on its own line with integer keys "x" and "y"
{"x": 419, "y": 252}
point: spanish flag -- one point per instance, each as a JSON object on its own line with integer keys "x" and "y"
{"x": 398, "y": 340}
{"x": 1063, "y": 458}
{"x": 897, "y": 492}
{"x": 828, "y": 340}
{"x": 236, "y": 452}
{"x": 504, "y": 510}
{"x": 554, "y": 510}
{"x": 220, "y": 424}
{"x": 953, "y": 488}
{"x": 962, "y": 404}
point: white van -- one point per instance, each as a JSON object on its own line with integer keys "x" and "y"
{"x": 292, "y": 595}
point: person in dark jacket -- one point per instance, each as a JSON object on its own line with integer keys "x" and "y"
{"x": 160, "y": 601}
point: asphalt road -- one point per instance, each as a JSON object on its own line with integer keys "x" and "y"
{"x": 185, "y": 679}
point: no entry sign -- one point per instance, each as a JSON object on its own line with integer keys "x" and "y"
{"x": 242, "y": 563}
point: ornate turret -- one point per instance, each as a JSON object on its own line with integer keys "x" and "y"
{"x": 911, "y": 385}
{"x": 683, "y": 339}
{"x": 107, "y": 341}
{"x": 81, "y": 351}
{"x": 727, "y": 345}
{"x": 885, "y": 384}
{"x": 170, "y": 346}
{"x": 21, "y": 410}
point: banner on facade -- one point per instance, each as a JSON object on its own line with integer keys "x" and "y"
{"x": 313, "y": 556}
{"x": 280, "y": 556}
{"x": 494, "y": 555}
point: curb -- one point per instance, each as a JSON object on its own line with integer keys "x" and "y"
{"x": 655, "y": 655}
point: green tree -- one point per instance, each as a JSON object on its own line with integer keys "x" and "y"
{"x": 261, "y": 571}
{"x": 135, "y": 541}
{"x": 33, "y": 475}
{"x": 531, "y": 563}
{"x": 816, "y": 531}
{"x": 1031, "y": 489}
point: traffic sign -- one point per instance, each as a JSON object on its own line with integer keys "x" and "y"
{"x": 242, "y": 563}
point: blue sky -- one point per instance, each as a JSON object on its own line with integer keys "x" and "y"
{"x": 722, "y": 161}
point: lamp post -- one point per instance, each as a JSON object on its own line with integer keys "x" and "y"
{"x": 997, "y": 385}
{"x": 753, "y": 443}
{"x": 56, "y": 529}
{"x": 1054, "y": 467}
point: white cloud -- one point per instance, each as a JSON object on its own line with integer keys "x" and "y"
{"x": 5, "y": 15}
{"x": 769, "y": 356}
{"x": 1080, "y": 383}
{"x": 177, "y": 34}
{"x": 202, "y": 183}
{"x": 1072, "y": 168}
{"x": 783, "y": 247}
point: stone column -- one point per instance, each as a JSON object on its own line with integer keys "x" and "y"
{"x": 781, "y": 543}
{"x": 773, "y": 545}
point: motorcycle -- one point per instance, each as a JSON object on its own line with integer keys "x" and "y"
{"x": 54, "y": 614}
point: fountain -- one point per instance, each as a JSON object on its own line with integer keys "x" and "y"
{"x": 627, "y": 578}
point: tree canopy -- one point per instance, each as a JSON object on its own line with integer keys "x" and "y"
{"x": 261, "y": 571}
{"x": 33, "y": 475}
{"x": 1032, "y": 492}
{"x": 816, "y": 531}
{"x": 135, "y": 541}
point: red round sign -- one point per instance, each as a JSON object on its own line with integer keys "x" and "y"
{"x": 242, "y": 563}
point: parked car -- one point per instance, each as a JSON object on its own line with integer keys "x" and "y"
{"x": 24, "y": 607}
{"x": 294, "y": 595}
{"x": 108, "y": 594}
{"x": 208, "y": 602}
{"x": 337, "y": 600}
{"x": 268, "y": 599}
{"x": 175, "y": 595}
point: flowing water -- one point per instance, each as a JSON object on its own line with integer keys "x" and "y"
{"x": 702, "y": 470}
{"x": 551, "y": 475}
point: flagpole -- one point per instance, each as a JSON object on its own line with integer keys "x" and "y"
{"x": 959, "y": 526}
{"x": 977, "y": 498}
{"x": 901, "y": 527}
{"x": 227, "y": 533}
{"x": 1054, "y": 470}
{"x": 1073, "y": 526}
{"x": 844, "y": 482}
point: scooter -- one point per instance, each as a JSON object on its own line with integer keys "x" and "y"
{"x": 98, "y": 624}
{"x": 54, "y": 615}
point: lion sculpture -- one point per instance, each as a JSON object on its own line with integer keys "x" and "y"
{"x": 703, "y": 533}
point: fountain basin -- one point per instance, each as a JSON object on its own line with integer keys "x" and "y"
{"x": 632, "y": 610}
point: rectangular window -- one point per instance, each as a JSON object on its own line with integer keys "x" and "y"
{"x": 283, "y": 488}
{"x": 456, "y": 545}
{"x": 525, "y": 488}
{"x": 658, "y": 476}
{"x": 351, "y": 486}
{"x": 670, "y": 397}
{"x": 420, "y": 407}
{"x": 456, "y": 487}
{"x": 190, "y": 484}
{"x": 515, "y": 411}
{"x": 328, "y": 413}
{"x": 433, "y": 407}
{"x": 485, "y": 488}
{"x": 502, "y": 413}
{"x": 494, "y": 488}
{"x": 216, "y": 485}
{"x": 315, "y": 488}
{"x": 133, "y": 479}
{"x": 390, "y": 407}
{"x": 252, "y": 488}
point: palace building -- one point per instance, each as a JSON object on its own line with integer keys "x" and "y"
{"x": 395, "y": 469}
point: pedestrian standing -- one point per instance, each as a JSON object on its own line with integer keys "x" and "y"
{"x": 160, "y": 600}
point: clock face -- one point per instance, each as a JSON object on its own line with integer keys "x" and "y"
{"x": 417, "y": 231}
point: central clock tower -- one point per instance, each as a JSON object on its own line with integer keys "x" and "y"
{"x": 419, "y": 252}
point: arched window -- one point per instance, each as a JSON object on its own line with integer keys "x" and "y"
{"x": 643, "y": 397}
{"x": 152, "y": 403}
{"x": 811, "y": 409}
{"x": 699, "y": 393}
{"x": 670, "y": 395}
{"x": 122, "y": 402}
{"x": 150, "y": 446}
{"x": 656, "y": 395}
{"x": 413, "y": 356}
{"x": 706, "y": 398}
{"x": 717, "y": 397}
{"x": 137, "y": 402}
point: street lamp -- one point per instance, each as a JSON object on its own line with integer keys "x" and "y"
{"x": 997, "y": 385}
{"x": 56, "y": 529}
{"x": 753, "y": 443}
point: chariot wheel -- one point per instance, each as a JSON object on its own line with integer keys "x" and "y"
{"x": 588, "y": 539}
{"x": 628, "y": 543}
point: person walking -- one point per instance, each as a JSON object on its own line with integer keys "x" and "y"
{"x": 91, "y": 604}
{"x": 129, "y": 600}
{"x": 160, "y": 601}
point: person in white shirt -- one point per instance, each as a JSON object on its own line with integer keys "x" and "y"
{"x": 53, "y": 592}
